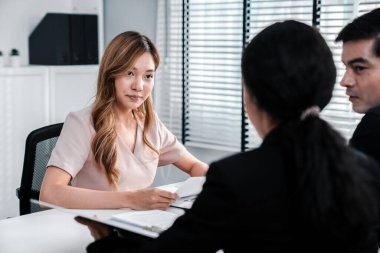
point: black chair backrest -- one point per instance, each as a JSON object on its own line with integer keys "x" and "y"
{"x": 39, "y": 145}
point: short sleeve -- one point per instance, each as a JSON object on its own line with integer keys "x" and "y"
{"x": 171, "y": 149}
{"x": 73, "y": 144}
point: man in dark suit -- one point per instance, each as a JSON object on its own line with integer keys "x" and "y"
{"x": 361, "y": 55}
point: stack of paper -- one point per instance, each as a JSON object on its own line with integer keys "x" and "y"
{"x": 153, "y": 220}
{"x": 148, "y": 223}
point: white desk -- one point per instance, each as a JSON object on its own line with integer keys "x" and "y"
{"x": 44, "y": 232}
{"x": 56, "y": 230}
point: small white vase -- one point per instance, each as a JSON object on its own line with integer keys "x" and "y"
{"x": 15, "y": 60}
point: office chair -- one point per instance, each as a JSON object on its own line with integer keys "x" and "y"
{"x": 38, "y": 147}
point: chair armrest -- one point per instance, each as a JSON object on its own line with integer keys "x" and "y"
{"x": 18, "y": 192}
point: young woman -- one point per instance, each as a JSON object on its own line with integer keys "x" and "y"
{"x": 110, "y": 151}
{"x": 303, "y": 189}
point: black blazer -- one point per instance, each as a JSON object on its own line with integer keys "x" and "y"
{"x": 245, "y": 205}
{"x": 366, "y": 137}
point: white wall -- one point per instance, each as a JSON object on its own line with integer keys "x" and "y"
{"x": 18, "y": 18}
{"x": 129, "y": 15}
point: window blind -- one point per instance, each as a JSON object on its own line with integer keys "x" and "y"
{"x": 262, "y": 13}
{"x": 168, "y": 85}
{"x": 212, "y": 66}
{"x": 365, "y": 6}
{"x": 202, "y": 49}
{"x": 333, "y": 17}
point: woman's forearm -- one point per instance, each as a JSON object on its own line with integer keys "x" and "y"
{"x": 198, "y": 169}
{"x": 73, "y": 197}
{"x": 80, "y": 198}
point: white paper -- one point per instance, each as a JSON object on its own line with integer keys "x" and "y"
{"x": 190, "y": 187}
{"x": 185, "y": 202}
{"x": 156, "y": 220}
{"x": 186, "y": 190}
{"x": 171, "y": 187}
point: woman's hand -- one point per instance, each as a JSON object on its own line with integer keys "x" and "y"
{"x": 151, "y": 198}
{"x": 98, "y": 230}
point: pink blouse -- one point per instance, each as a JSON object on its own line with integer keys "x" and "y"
{"x": 73, "y": 154}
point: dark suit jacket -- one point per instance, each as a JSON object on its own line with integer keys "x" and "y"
{"x": 245, "y": 205}
{"x": 366, "y": 137}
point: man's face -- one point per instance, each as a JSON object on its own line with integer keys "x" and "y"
{"x": 362, "y": 76}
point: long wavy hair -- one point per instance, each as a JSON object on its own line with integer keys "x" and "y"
{"x": 119, "y": 56}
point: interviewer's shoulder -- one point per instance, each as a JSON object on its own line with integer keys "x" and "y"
{"x": 239, "y": 160}
{"x": 254, "y": 156}
{"x": 372, "y": 168}
{"x": 373, "y": 113}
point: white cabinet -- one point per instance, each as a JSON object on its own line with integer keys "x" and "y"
{"x": 23, "y": 106}
{"x": 32, "y": 97}
{"x": 71, "y": 89}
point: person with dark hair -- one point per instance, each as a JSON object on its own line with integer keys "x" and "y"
{"x": 302, "y": 190}
{"x": 108, "y": 153}
{"x": 361, "y": 55}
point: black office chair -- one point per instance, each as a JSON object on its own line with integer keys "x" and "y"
{"x": 39, "y": 145}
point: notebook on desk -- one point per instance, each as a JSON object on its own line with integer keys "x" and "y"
{"x": 147, "y": 223}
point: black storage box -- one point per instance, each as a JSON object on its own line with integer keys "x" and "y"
{"x": 64, "y": 39}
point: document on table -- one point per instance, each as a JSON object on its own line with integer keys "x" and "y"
{"x": 148, "y": 223}
{"x": 154, "y": 220}
{"x": 187, "y": 191}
